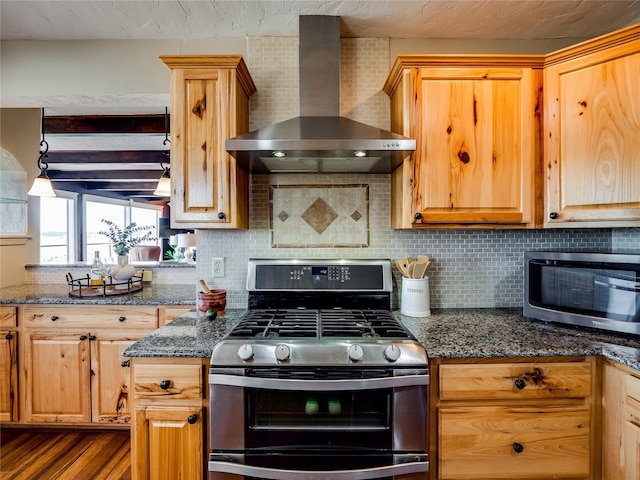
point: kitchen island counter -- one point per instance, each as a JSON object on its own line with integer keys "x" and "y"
{"x": 472, "y": 333}
{"x": 58, "y": 294}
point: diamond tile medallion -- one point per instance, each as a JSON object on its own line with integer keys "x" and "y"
{"x": 319, "y": 215}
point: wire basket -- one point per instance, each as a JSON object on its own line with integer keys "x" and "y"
{"x": 85, "y": 287}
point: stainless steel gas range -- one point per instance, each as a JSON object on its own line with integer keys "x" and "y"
{"x": 319, "y": 380}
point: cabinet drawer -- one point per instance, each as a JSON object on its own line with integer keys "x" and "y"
{"x": 8, "y": 317}
{"x": 167, "y": 381}
{"x": 88, "y": 317}
{"x": 497, "y": 442}
{"x": 513, "y": 381}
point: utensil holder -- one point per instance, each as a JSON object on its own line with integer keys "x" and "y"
{"x": 414, "y": 300}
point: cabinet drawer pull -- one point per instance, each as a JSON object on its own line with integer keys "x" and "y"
{"x": 165, "y": 384}
{"x": 519, "y": 383}
{"x": 191, "y": 419}
{"x": 83, "y": 337}
{"x": 54, "y": 318}
{"x": 517, "y": 447}
{"x": 122, "y": 319}
{"x": 125, "y": 363}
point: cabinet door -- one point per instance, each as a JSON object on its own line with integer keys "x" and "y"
{"x": 208, "y": 189}
{"x": 57, "y": 373}
{"x": 514, "y": 442}
{"x": 8, "y": 376}
{"x": 591, "y": 144}
{"x": 632, "y": 451}
{"x": 110, "y": 379}
{"x": 475, "y": 154}
{"x": 167, "y": 443}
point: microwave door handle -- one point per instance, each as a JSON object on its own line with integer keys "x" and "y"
{"x": 632, "y": 287}
{"x": 281, "y": 474}
{"x": 318, "y": 385}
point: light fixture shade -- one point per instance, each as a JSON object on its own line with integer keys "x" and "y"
{"x": 186, "y": 240}
{"x": 42, "y": 186}
{"x": 164, "y": 185}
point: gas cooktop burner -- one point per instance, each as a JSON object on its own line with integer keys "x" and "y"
{"x": 319, "y": 314}
{"x": 297, "y": 323}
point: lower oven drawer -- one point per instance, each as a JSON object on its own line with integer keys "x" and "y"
{"x": 318, "y": 466}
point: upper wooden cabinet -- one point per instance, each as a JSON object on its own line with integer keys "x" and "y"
{"x": 476, "y": 124}
{"x": 592, "y": 132}
{"x": 209, "y": 104}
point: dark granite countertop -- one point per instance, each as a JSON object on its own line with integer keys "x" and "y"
{"x": 53, "y": 293}
{"x": 473, "y": 333}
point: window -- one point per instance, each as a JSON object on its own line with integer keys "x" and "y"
{"x": 57, "y": 228}
{"x": 120, "y": 212}
{"x": 58, "y": 234}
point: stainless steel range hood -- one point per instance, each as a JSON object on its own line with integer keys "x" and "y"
{"x": 320, "y": 140}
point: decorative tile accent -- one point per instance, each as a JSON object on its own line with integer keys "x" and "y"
{"x": 319, "y": 215}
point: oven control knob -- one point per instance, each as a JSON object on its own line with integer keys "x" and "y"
{"x": 392, "y": 353}
{"x": 282, "y": 352}
{"x": 355, "y": 353}
{"x": 245, "y": 352}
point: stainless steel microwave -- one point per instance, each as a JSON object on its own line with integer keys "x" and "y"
{"x": 597, "y": 290}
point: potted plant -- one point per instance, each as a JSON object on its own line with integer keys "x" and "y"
{"x": 123, "y": 240}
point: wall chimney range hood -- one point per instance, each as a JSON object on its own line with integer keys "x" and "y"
{"x": 319, "y": 140}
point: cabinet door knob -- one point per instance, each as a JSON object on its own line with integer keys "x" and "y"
{"x": 519, "y": 383}
{"x": 221, "y": 215}
{"x": 417, "y": 216}
{"x": 553, "y": 215}
{"x": 191, "y": 419}
{"x": 83, "y": 337}
{"x": 517, "y": 447}
{"x": 165, "y": 384}
{"x": 92, "y": 337}
{"x": 122, "y": 319}
{"x": 125, "y": 363}
{"x": 54, "y": 318}
{"x": 9, "y": 336}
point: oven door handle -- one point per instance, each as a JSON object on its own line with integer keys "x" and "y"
{"x": 419, "y": 466}
{"x": 318, "y": 385}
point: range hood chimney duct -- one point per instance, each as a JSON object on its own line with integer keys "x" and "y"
{"x": 320, "y": 140}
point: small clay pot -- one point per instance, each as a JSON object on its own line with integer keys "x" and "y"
{"x": 213, "y": 299}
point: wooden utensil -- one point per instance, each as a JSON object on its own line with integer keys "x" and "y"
{"x": 403, "y": 267}
{"x": 204, "y": 286}
{"x": 419, "y": 269}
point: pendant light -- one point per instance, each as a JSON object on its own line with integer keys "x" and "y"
{"x": 42, "y": 185}
{"x": 164, "y": 184}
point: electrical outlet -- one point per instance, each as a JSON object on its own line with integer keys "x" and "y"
{"x": 217, "y": 266}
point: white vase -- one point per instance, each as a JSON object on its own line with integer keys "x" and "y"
{"x": 122, "y": 272}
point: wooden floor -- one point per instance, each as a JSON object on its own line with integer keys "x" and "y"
{"x": 64, "y": 455}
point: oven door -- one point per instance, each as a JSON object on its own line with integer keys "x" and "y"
{"x": 279, "y": 424}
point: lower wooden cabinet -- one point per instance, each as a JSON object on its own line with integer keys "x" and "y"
{"x": 514, "y": 442}
{"x": 168, "y": 443}
{"x": 169, "y": 430}
{"x": 58, "y": 383}
{"x": 8, "y": 364}
{"x": 620, "y": 422}
{"x": 518, "y": 418}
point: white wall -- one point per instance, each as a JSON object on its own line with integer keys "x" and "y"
{"x": 20, "y": 134}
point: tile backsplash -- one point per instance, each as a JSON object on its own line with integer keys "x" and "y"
{"x": 471, "y": 268}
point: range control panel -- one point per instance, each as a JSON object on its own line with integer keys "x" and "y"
{"x": 320, "y": 275}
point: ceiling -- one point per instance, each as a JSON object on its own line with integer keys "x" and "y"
{"x": 126, "y": 163}
{"x": 190, "y": 19}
